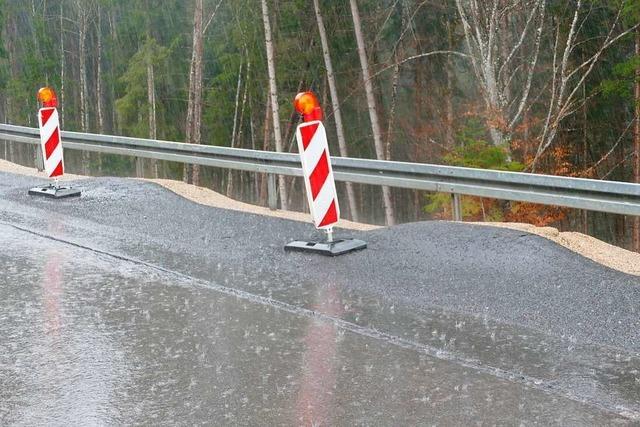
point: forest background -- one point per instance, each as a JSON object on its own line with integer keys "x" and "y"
{"x": 547, "y": 86}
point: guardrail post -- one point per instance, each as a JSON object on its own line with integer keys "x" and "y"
{"x": 272, "y": 194}
{"x": 456, "y": 207}
{"x": 39, "y": 160}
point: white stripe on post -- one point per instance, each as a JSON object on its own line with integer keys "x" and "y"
{"x": 314, "y": 151}
{"x": 51, "y": 124}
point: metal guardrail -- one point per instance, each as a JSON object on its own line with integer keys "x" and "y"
{"x": 605, "y": 196}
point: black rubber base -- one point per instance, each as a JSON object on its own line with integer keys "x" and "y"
{"x": 335, "y": 248}
{"x": 54, "y": 192}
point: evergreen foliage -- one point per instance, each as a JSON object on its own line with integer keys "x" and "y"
{"x": 435, "y": 112}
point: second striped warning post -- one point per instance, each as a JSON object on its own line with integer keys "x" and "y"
{"x": 319, "y": 182}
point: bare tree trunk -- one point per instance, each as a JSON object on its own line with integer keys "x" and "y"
{"x": 449, "y": 128}
{"x": 82, "y": 61}
{"x": 240, "y": 137}
{"x": 335, "y": 104}
{"x": 621, "y": 220}
{"x": 585, "y": 151}
{"x": 12, "y": 112}
{"x": 395, "y": 78}
{"x": 99, "y": 88}
{"x": 395, "y": 81}
{"x": 84, "y": 103}
{"x": 197, "y": 96}
{"x": 256, "y": 176}
{"x": 265, "y": 147}
{"x": 114, "y": 38}
{"x": 191, "y": 173}
{"x": 186, "y": 174}
{"x": 636, "y": 145}
{"x": 151, "y": 99}
{"x": 194, "y": 109}
{"x": 373, "y": 111}
{"x": 273, "y": 94}
{"x": 235, "y": 126}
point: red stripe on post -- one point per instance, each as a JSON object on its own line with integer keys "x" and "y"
{"x": 52, "y": 143}
{"x": 45, "y": 114}
{"x": 319, "y": 175}
{"x": 57, "y": 171}
{"x": 307, "y": 133}
{"x": 331, "y": 216}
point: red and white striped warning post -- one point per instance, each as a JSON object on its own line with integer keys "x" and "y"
{"x": 51, "y": 146}
{"x": 318, "y": 180}
{"x": 318, "y": 175}
{"x": 50, "y": 141}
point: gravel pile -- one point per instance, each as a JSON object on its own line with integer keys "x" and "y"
{"x": 587, "y": 246}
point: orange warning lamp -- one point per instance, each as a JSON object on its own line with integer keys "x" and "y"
{"x": 306, "y": 103}
{"x": 47, "y": 96}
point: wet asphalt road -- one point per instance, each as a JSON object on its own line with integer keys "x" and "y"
{"x": 131, "y": 305}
